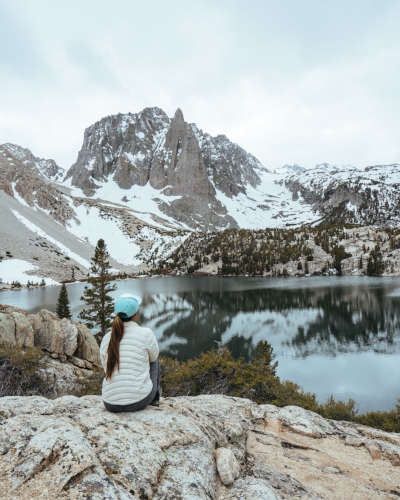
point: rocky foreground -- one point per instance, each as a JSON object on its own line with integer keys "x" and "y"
{"x": 70, "y": 351}
{"x": 205, "y": 447}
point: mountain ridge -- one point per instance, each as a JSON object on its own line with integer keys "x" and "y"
{"x": 144, "y": 182}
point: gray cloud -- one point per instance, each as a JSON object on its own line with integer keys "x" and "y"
{"x": 18, "y": 53}
{"x": 289, "y": 81}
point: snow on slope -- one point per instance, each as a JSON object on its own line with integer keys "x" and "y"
{"x": 32, "y": 227}
{"x": 156, "y": 231}
{"x": 141, "y": 199}
{"x": 16, "y": 269}
{"x": 93, "y": 227}
{"x": 268, "y": 205}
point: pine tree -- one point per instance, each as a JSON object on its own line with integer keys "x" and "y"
{"x": 100, "y": 304}
{"x": 62, "y": 307}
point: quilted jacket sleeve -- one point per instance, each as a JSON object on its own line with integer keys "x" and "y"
{"x": 103, "y": 351}
{"x": 153, "y": 347}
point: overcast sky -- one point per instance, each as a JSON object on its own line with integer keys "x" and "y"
{"x": 291, "y": 81}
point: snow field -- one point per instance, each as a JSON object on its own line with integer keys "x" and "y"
{"x": 93, "y": 227}
{"x": 16, "y": 269}
{"x": 66, "y": 251}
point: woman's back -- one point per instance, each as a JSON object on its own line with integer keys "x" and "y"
{"x": 138, "y": 347}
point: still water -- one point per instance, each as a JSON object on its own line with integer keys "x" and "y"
{"x": 332, "y": 335}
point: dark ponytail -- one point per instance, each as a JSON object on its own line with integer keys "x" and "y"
{"x": 117, "y": 332}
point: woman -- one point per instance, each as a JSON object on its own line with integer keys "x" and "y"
{"x": 129, "y": 355}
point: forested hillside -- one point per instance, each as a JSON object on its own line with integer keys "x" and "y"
{"x": 289, "y": 252}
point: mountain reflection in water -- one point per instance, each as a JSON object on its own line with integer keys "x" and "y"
{"x": 331, "y": 335}
{"x": 302, "y": 322}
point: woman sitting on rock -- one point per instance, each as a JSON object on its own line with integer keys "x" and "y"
{"x": 129, "y": 355}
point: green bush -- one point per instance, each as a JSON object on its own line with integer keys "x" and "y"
{"x": 338, "y": 410}
{"x": 217, "y": 372}
{"x": 19, "y": 371}
{"x": 89, "y": 385}
{"x": 388, "y": 421}
{"x": 292, "y": 394}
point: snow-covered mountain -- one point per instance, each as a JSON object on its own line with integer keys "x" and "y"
{"x": 289, "y": 169}
{"x": 145, "y": 181}
{"x": 369, "y": 196}
{"x": 50, "y": 230}
{"x": 48, "y": 168}
{"x": 171, "y": 156}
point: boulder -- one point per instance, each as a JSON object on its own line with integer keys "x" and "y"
{"x": 16, "y": 329}
{"x": 61, "y": 377}
{"x": 88, "y": 348}
{"x": 62, "y": 339}
{"x": 48, "y": 333}
{"x": 74, "y": 448}
{"x": 227, "y": 466}
{"x": 70, "y": 336}
{"x": 7, "y": 328}
{"x": 24, "y": 334}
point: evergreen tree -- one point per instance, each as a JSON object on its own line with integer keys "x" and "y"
{"x": 97, "y": 298}
{"x": 62, "y": 307}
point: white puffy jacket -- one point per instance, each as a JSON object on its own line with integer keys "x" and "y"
{"x": 138, "y": 348}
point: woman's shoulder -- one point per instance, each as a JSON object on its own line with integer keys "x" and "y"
{"x": 106, "y": 339}
{"x": 142, "y": 330}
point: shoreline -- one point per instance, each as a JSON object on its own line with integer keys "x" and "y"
{"x": 5, "y": 287}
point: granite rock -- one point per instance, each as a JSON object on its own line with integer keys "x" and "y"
{"x": 172, "y": 156}
{"x": 74, "y": 448}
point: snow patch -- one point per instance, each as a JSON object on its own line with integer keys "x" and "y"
{"x": 66, "y": 251}
{"x": 18, "y": 197}
{"x": 16, "y": 269}
{"x": 92, "y": 227}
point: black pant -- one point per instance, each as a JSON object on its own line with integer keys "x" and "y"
{"x": 140, "y": 405}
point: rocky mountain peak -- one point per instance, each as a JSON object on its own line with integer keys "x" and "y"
{"x": 289, "y": 169}
{"x": 179, "y": 115}
{"x": 22, "y": 178}
{"x": 170, "y": 155}
{"x": 48, "y": 168}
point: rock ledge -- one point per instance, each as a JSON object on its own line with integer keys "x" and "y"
{"x": 73, "y": 448}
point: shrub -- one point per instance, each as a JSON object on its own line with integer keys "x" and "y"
{"x": 19, "y": 371}
{"x": 89, "y": 385}
{"x": 388, "y": 421}
{"x": 338, "y": 410}
{"x": 217, "y": 372}
{"x": 292, "y": 394}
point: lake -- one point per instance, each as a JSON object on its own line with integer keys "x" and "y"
{"x": 332, "y": 335}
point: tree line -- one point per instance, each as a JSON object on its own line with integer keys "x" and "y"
{"x": 239, "y": 251}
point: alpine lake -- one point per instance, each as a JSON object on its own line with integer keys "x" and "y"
{"x": 331, "y": 335}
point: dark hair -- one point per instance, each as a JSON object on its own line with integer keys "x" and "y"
{"x": 117, "y": 332}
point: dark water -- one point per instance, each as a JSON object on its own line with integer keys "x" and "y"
{"x": 332, "y": 335}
